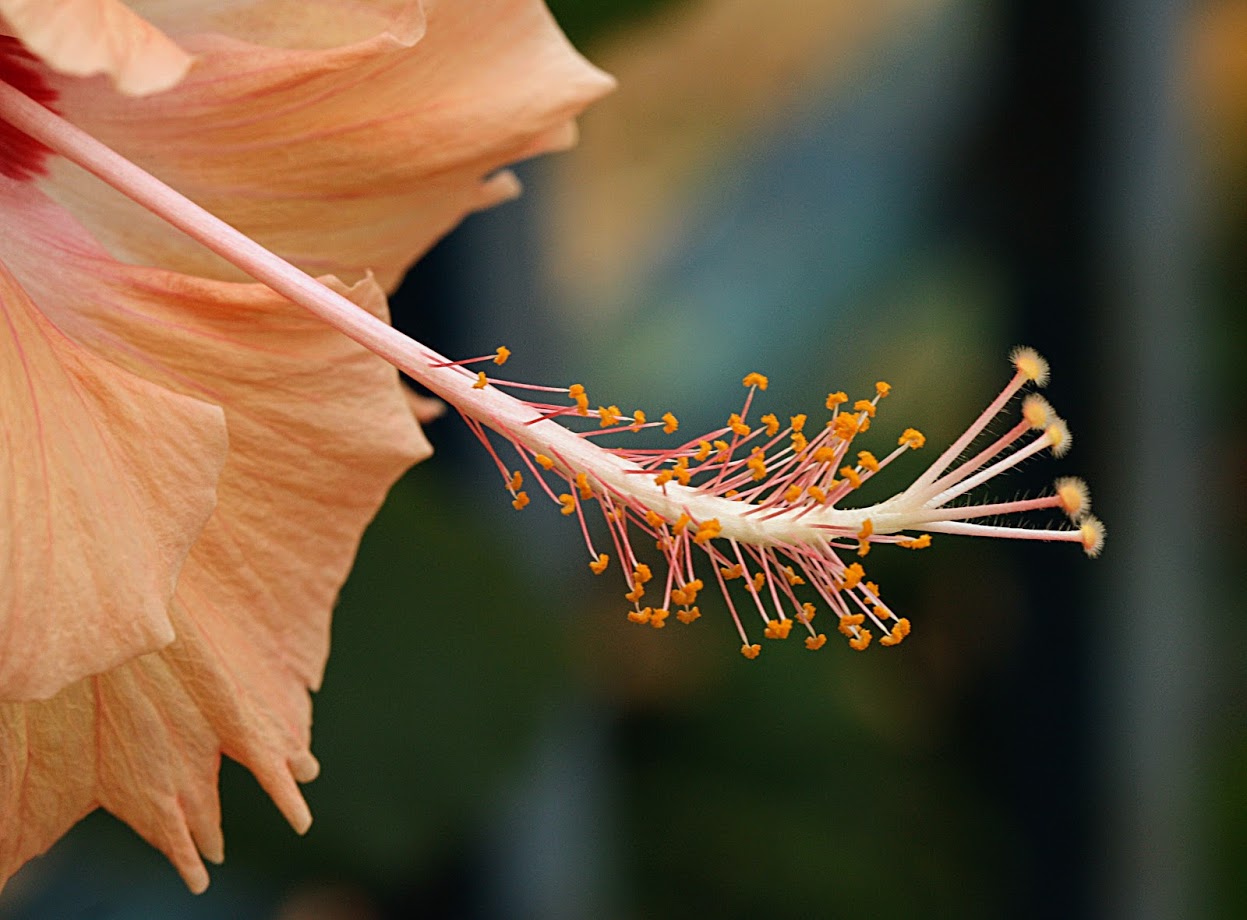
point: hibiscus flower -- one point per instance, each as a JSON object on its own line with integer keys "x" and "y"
{"x": 191, "y": 457}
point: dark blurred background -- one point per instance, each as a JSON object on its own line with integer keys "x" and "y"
{"x": 831, "y": 195}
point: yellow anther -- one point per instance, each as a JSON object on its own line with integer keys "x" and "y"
{"x": 703, "y": 451}
{"x": 636, "y": 593}
{"x": 640, "y": 616}
{"x": 1030, "y": 365}
{"x": 737, "y": 425}
{"x": 687, "y": 616}
{"x": 777, "y": 629}
{"x": 682, "y": 473}
{"x": 1037, "y": 411}
{"x": 823, "y": 455}
{"x": 921, "y": 542}
{"x": 638, "y": 419}
{"x": 867, "y": 460}
{"x": 771, "y": 421}
{"x": 797, "y": 422}
{"x": 544, "y": 462}
{"x": 818, "y": 494}
{"x": 732, "y": 571}
{"x": 807, "y": 613}
{"x": 520, "y": 502}
{"x": 707, "y": 530}
{"x": 798, "y": 442}
{"x": 870, "y": 587}
{"x": 481, "y": 381}
{"x": 664, "y": 544}
{"x": 759, "y": 580}
{"x": 851, "y": 475}
{"x": 641, "y": 574}
{"x": 912, "y": 438}
{"x": 853, "y": 575}
{"x": 792, "y": 493}
{"x": 608, "y": 415}
{"x": 846, "y": 425}
{"x": 792, "y": 577}
{"x": 757, "y": 463}
{"x": 598, "y": 565}
{"x": 658, "y": 618}
{"x": 755, "y": 380}
{"x": 664, "y": 477}
{"x": 814, "y": 643}
{"x": 724, "y": 451}
{"x": 670, "y": 423}
{"x": 865, "y": 405}
{"x": 568, "y": 503}
{"x": 897, "y": 634}
{"x": 615, "y": 514}
{"x": 881, "y": 612}
{"x": 501, "y": 355}
{"x": 850, "y": 622}
{"x": 516, "y": 481}
{"x": 883, "y": 388}
{"x": 731, "y": 493}
{"x": 865, "y": 426}
{"x": 834, "y": 400}
{"x": 863, "y": 537}
{"x": 751, "y": 651}
{"x": 582, "y": 483}
{"x": 577, "y": 392}
{"x": 653, "y": 518}
{"x": 688, "y": 593}
{"x": 861, "y": 642}
{"x": 681, "y": 522}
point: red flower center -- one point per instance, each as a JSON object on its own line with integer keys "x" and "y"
{"x": 21, "y": 156}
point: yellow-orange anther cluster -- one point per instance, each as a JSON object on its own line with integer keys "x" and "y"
{"x": 520, "y": 502}
{"x": 851, "y": 475}
{"x": 755, "y": 380}
{"x": 598, "y": 565}
{"x": 608, "y": 416}
{"x": 481, "y": 381}
{"x": 814, "y": 643}
{"x": 778, "y": 629}
{"x": 516, "y": 481}
{"x": 707, "y": 530}
{"x": 920, "y": 542}
{"x": 544, "y": 462}
{"x": 771, "y": 421}
{"x": 911, "y": 438}
{"x": 670, "y": 423}
{"x": 835, "y": 400}
{"x": 900, "y": 629}
{"x": 863, "y": 537}
{"x": 865, "y": 405}
{"x": 757, "y": 463}
{"x": 577, "y": 392}
{"x": 568, "y": 503}
{"x": 737, "y": 425}
{"x": 751, "y": 651}
{"x": 867, "y": 460}
{"x": 853, "y": 575}
{"x": 501, "y": 355}
{"x": 882, "y": 388}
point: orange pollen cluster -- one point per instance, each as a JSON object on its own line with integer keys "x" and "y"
{"x": 762, "y": 502}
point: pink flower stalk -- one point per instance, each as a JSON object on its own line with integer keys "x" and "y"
{"x": 178, "y": 383}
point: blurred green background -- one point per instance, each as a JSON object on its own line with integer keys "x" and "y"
{"x": 831, "y": 195}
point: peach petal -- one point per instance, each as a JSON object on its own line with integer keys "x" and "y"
{"x": 110, "y": 479}
{"x": 342, "y": 159}
{"x": 82, "y": 38}
{"x": 319, "y": 428}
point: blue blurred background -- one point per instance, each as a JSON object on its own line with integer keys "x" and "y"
{"x": 832, "y": 195}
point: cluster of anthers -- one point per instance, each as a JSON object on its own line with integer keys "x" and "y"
{"x": 760, "y": 500}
